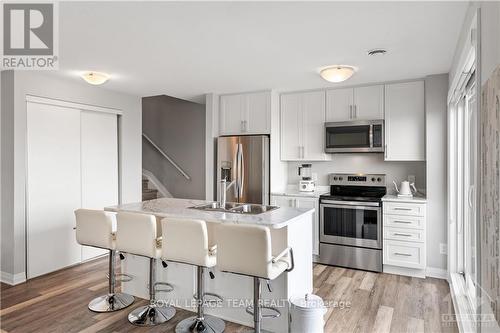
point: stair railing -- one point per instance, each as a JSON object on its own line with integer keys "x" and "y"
{"x": 168, "y": 158}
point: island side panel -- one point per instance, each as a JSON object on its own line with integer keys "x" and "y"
{"x": 299, "y": 238}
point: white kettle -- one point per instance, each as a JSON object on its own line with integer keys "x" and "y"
{"x": 405, "y": 188}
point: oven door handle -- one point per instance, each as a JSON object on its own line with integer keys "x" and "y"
{"x": 351, "y": 203}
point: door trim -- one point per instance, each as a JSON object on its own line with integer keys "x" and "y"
{"x": 72, "y": 105}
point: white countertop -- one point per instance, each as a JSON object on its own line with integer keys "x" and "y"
{"x": 293, "y": 191}
{"x": 169, "y": 207}
{"x": 394, "y": 198}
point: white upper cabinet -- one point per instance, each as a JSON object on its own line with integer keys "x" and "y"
{"x": 245, "y": 113}
{"x": 313, "y": 120}
{"x": 231, "y": 114}
{"x": 339, "y": 104}
{"x": 369, "y": 103}
{"x": 291, "y": 127}
{"x": 302, "y": 126}
{"x": 362, "y": 103}
{"x": 405, "y": 121}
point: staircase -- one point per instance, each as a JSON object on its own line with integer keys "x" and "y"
{"x": 148, "y": 193}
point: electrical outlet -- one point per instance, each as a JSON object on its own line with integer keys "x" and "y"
{"x": 443, "y": 248}
{"x": 411, "y": 178}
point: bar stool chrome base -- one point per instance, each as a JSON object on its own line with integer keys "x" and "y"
{"x": 111, "y": 302}
{"x": 208, "y": 324}
{"x": 151, "y": 315}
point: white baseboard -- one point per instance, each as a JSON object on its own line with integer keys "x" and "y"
{"x": 437, "y": 273}
{"x": 12, "y": 279}
{"x": 420, "y": 273}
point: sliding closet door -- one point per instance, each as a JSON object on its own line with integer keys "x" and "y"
{"x": 99, "y": 165}
{"x": 53, "y": 187}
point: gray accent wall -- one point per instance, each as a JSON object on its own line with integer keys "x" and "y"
{"x": 178, "y": 128}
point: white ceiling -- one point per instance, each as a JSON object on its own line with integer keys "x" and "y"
{"x": 189, "y": 49}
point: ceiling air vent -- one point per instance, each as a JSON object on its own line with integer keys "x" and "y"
{"x": 377, "y": 52}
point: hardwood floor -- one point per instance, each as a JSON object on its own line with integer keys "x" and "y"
{"x": 358, "y": 302}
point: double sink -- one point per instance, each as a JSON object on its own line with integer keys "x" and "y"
{"x": 234, "y": 207}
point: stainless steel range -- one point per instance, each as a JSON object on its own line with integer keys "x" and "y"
{"x": 351, "y": 221}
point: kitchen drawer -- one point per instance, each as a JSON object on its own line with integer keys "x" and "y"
{"x": 404, "y": 254}
{"x": 404, "y": 234}
{"x": 404, "y": 208}
{"x": 402, "y": 221}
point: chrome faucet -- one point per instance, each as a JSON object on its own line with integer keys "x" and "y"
{"x": 224, "y": 186}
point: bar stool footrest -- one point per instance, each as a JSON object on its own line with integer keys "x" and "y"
{"x": 217, "y": 298}
{"x": 121, "y": 277}
{"x": 276, "y": 314}
{"x": 169, "y": 288}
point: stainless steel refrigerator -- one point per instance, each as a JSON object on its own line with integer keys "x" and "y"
{"x": 244, "y": 162}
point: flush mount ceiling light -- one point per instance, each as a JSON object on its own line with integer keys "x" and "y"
{"x": 95, "y": 78}
{"x": 337, "y": 73}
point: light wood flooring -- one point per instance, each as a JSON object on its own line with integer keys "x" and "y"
{"x": 359, "y": 302}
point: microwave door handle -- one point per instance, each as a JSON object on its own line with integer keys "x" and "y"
{"x": 371, "y": 136}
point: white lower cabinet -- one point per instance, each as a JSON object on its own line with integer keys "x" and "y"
{"x": 301, "y": 202}
{"x": 404, "y": 249}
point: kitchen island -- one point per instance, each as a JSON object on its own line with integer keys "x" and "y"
{"x": 290, "y": 227}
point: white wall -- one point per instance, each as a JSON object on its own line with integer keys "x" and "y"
{"x": 46, "y": 85}
{"x": 362, "y": 163}
{"x": 7, "y": 170}
{"x": 211, "y": 134}
{"x": 436, "y": 91}
{"x": 490, "y": 38}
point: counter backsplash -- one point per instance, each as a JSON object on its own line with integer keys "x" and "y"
{"x": 363, "y": 163}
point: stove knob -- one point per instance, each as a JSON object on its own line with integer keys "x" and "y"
{"x": 379, "y": 179}
{"x": 341, "y": 178}
{"x": 373, "y": 179}
{"x": 334, "y": 178}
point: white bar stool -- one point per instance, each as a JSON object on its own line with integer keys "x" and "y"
{"x": 186, "y": 241}
{"x": 247, "y": 250}
{"x": 137, "y": 234}
{"x": 97, "y": 228}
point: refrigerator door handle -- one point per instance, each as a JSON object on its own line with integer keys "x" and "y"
{"x": 236, "y": 170}
{"x": 242, "y": 170}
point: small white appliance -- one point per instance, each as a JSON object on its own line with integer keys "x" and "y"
{"x": 404, "y": 190}
{"x": 306, "y": 184}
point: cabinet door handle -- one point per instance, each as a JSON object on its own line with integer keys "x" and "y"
{"x": 385, "y": 150}
{"x": 404, "y": 222}
{"x": 303, "y": 152}
{"x": 242, "y": 125}
{"x": 350, "y": 111}
{"x": 402, "y": 254}
{"x": 401, "y": 208}
{"x": 355, "y": 111}
{"x": 400, "y": 234}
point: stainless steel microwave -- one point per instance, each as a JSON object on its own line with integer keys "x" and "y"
{"x": 360, "y": 136}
